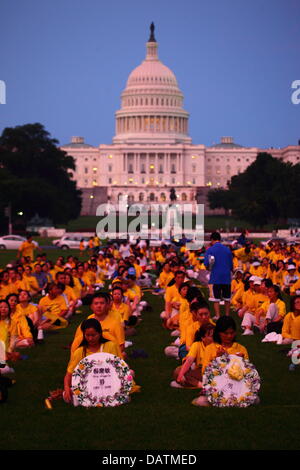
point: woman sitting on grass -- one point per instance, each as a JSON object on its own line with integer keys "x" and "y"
{"x": 20, "y": 332}
{"x": 92, "y": 343}
{"x": 291, "y": 323}
{"x": 223, "y": 343}
{"x": 190, "y": 373}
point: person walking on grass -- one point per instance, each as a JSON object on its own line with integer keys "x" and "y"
{"x": 218, "y": 258}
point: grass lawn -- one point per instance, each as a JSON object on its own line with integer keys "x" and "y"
{"x": 158, "y": 417}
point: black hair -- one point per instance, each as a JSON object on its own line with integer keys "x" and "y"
{"x": 9, "y": 309}
{"x": 71, "y": 279}
{"x": 222, "y": 324}
{"x": 277, "y": 290}
{"x": 179, "y": 272}
{"x": 11, "y": 295}
{"x": 215, "y": 236}
{"x": 91, "y": 323}
{"x": 24, "y": 290}
{"x": 117, "y": 288}
{"x": 196, "y": 305}
{"x": 102, "y": 295}
{"x": 61, "y": 286}
{"x": 184, "y": 284}
{"x": 194, "y": 292}
{"x": 293, "y": 300}
{"x": 202, "y": 331}
{"x": 268, "y": 283}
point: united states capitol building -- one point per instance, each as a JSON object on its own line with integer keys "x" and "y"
{"x": 152, "y": 151}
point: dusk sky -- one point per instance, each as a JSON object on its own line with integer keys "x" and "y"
{"x": 66, "y": 62}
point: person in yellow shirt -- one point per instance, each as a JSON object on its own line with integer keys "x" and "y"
{"x": 200, "y": 316}
{"x": 237, "y": 281}
{"x": 276, "y": 311}
{"x": 172, "y": 297}
{"x": 223, "y": 343}
{"x": 120, "y": 309}
{"x": 5, "y": 286}
{"x": 244, "y": 255}
{"x": 5, "y": 325}
{"x": 53, "y": 308}
{"x": 253, "y": 305}
{"x": 93, "y": 342}
{"x": 185, "y": 375}
{"x": 27, "y": 248}
{"x": 30, "y": 282}
{"x": 21, "y": 334}
{"x": 112, "y": 328}
{"x": 165, "y": 276}
{"x": 291, "y": 322}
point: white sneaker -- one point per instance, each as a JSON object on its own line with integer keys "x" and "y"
{"x": 248, "y": 332}
{"x": 7, "y": 370}
{"x": 176, "y": 342}
{"x": 279, "y": 340}
{"x": 175, "y": 384}
{"x": 175, "y": 333}
{"x": 128, "y": 343}
{"x": 40, "y": 334}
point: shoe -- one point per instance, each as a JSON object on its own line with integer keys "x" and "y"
{"x": 40, "y": 335}
{"x": 200, "y": 401}
{"x": 128, "y": 344}
{"x": 175, "y": 333}
{"x": 175, "y": 384}
{"x": 279, "y": 341}
{"x": 247, "y": 332}
{"x": 7, "y": 370}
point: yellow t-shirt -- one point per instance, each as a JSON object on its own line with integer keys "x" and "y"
{"x": 54, "y": 306}
{"x": 5, "y": 332}
{"x": 291, "y": 326}
{"x": 121, "y": 311}
{"x": 78, "y": 354}
{"x": 19, "y": 327}
{"x": 211, "y": 351}
{"x": 185, "y": 319}
{"x": 31, "y": 283}
{"x": 29, "y": 310}
{"x": 172, "y": 294}
{"x": 5, "y": 290}
{"x": 197, "y": 352}
{"x": 164, "y": 279}
{"x": 27, "y": 249}
{"x": 280, "y": 304}
{"x": 112, "y": 330}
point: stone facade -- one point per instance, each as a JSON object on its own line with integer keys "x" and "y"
{"x": 152, "y": 151}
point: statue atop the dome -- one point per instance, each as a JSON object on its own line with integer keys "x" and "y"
{"x": 152, "y": 38}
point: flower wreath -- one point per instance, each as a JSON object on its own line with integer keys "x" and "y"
{"x": 80, "y": 380}
{"x": 231, "y": 380}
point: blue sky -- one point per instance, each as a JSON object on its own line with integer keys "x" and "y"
{"x": 65, "y": 63}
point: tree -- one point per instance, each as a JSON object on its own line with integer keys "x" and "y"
{"x": 35, "y": 175}
{"x": 267, "y": 191}
{"x": 220, "y": 199}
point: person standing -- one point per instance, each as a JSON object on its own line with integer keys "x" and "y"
{"x": 218, "y": 258}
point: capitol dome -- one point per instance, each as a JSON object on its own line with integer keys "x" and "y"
{"x": 152, "y": 104}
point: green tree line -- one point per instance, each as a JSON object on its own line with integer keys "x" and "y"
{"x": 35, "y": 175}
{"x": 268, "y": 191}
